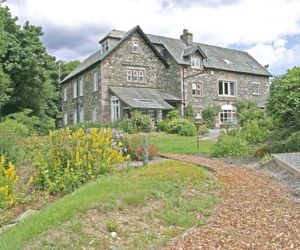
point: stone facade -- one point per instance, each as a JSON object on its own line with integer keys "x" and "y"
{"x": 198, "y": 87}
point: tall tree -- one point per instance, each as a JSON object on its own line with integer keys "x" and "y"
{"x": 30, "y": 68}
{"x": 284, "y": 100}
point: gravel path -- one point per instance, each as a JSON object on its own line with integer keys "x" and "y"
{"x": 256, "y": 212}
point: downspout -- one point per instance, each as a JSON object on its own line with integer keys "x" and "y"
{"x": 77, "y": 113}
{"x": 182, "y": 93}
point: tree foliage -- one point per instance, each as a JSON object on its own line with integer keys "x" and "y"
{"x": 284, "y": 101}
{"x": 28, "y": 70}
{"x": 284, "y": 108}
{"x": 68, "y": 67}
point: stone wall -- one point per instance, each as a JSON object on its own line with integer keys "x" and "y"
{"x": 87, "y": 102}
{"x": 114, "y": 70}
{"x": 210, "y": 95}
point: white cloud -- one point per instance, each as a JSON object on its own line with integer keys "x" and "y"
{"x": 276, "y": 55}
{"x": 260, "y": 25}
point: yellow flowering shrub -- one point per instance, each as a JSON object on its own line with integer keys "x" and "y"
{"x": 66, "y": 159}
{"x": 8, "y": 180}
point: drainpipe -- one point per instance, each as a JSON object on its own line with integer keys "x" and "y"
{"x": 182, "y": 93}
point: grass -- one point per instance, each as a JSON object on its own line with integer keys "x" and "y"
{"x": 172, "y": 143}
{"x": 153, "y": 197}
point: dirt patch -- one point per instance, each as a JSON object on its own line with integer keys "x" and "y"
{"x": 256, "y": 212}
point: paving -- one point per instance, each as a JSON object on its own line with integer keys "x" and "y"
{"x": 289, "y": 161}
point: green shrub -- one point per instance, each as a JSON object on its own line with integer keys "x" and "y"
{"x": 126, "y": 126}
{"x": 187, "y": 130}
{"x": 203, "y": 130}
{"x": 290, "y": 144}
{"x": 88, "y": 124}
{"x": 189, "y": 112}
{"x": 140, "y": 122}
{"x": 181, "y": 126}
{"x": 66, "y": 159}
{"x": 253, "y": 133}
{"x": 8, "y": 180}
{"x": 209, "y": 115}
{"x": 162, "y": 125}
{"x": 234, "y": 146}
{"x": 12, "y": 138}
{"x": 173, "y": 114}
{"x": 35, "y": 124}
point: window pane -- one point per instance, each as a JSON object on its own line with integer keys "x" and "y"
{"x": 226, "y": 88}
{"x": 232, "y": 88}
{"x": 141, "y": 75}
{"x": 129, "y": 75}
{"x": 135, "y": 75}
{"x": 220, "y": 88}
{"x": 75, "y": 89}
{"x": 95, "y": 81}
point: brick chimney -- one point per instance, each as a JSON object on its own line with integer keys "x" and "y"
{"x": 187, "y": 36}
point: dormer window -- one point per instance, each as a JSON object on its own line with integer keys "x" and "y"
{"x": 135, "y": 46}
{"x": 195, "y": 62}
{"x": 104, "y": 46}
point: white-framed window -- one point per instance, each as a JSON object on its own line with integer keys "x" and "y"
{"x": 94, "y": 114}
{"x": 195, "y": 62}
{"x": 228, "y": 114}
{"x": 115, "y": 109}
{"x": 135, "y": 46}
{"x": 227, "y": 88}
{"x": 135, "y": 75}
{"x": 141, "y": 75}
{"x": 81, "y": 115}
{"x": 256, "y": 88}
{"x": 65, "y": 118}
{"x": 196, "y": 89}
{"x": 95, "y": 81}
{"x": 65, "y": 94}
{"x": 75, "y": 89}
{"x": 81, "y": 86}
{"x": 129, "y": 75}
{"x": 75, "y": 117}
{"x": 105, "y": 46}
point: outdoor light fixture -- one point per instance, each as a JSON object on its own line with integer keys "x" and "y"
{"x": 198, "y": 122}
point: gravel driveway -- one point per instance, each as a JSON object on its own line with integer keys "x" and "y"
{"x": 256, "y": 212}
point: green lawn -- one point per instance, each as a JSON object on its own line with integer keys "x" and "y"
{"x": 172, "y": 143}
{"x": 145, "y": 206}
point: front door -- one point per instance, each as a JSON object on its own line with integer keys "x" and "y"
{"x": 115, "y": 109}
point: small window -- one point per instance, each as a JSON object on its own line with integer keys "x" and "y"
{"x": 95, "y": 81}
{"x": 75, "y": 117}
{"x": 195, "y": 62}
{"x": 135, "y": 46}
{"x": 129, "y": 75}
{"x": 141, "y": 75}
{"x": 256, "y": 88}
{"x": 65, "y": 94}
{"x": 227, "y": 88}
{"x": 135, "y": 75}
{"x": 74, "y": 89}
{"x": 94, "y": 114}
{"x": 65, "y": 118}
{"x": 81, "y": 86}
{"x": 104, "y": 46}
{"x": 197, "y": 89}
{"x": 81, "y": 115}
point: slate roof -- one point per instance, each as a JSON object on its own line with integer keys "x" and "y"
{"x": 216, "y": 57}
{"x": 144, "y": 98}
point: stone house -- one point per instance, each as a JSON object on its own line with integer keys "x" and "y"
{"x": 154, "y": 74}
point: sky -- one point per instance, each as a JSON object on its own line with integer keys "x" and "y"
{"x": 268, "y": 29}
